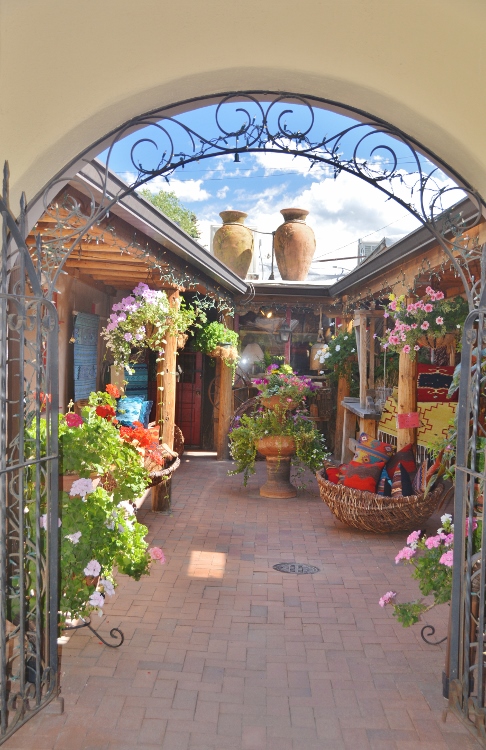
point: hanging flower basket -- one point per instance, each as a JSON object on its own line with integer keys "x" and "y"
{"x": 435, "y": 342}
{"x": 182, "y": 340}
{"x": 224, "y": 351}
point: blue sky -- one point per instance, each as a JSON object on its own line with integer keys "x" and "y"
{"x": 341, "y": 210}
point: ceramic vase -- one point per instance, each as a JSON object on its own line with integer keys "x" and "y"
{"x": 233, "y": 242}
{"x": 295, "y": 245}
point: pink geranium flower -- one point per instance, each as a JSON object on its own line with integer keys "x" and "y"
{"x": 405, "y": 554}
{"x": 433, "y": 541}
{"x": 446, "y": 558}
{"x": 73, "y": 420}
{"x": 157, "y": 554}
{"x": 413, "y": 537}
{"x": 387, "y": 598}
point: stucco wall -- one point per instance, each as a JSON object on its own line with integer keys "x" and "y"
{"x": 73, "y": 71}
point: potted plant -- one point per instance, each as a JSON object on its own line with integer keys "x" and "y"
{"x": 98, "y": 526}
{"x": 281, "y": 389}
{"x": 142, "y": 320}
{"x": 216, "y": 340}
{"x": 278, "y": 435}
{"x": 431, "y": 322}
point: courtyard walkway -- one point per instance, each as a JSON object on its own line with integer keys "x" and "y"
{"x": 224, "y": 653}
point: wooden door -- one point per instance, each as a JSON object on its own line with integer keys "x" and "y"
{"x": 188, "y": 397}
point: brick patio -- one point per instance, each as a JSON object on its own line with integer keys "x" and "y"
{"x": 224, "y": 653}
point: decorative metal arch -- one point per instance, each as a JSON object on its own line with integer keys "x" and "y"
{"x": 370, "y": 150}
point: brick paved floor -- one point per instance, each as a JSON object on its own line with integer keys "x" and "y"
{"x": 223, "y": 653}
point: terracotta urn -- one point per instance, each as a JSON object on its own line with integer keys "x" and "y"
{"x": 277, "y": 450}
{"x": 278, "y": 403}
{"x": 233, "y": 242}
{"x": 295, "y": 245}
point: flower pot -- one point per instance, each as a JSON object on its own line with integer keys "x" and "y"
{"x": 295, "y": 245}
{"x": 278, "y": 402}
{"x": 233, "y": 242}
{"x": 277, "y": 450}
{"x": 435, "y": 342}
{"x": 227, "y": 352}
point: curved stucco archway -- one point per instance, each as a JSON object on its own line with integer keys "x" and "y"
{"x": 71, "y": 73}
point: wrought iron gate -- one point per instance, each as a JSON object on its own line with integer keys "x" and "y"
{"x": 29, "y": 361}
{"x": 468, "y": 636}
{"x": 28, "y": 482}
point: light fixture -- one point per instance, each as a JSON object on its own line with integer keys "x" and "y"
{"x": 284, "y": 332}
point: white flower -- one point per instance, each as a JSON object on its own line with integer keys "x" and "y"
{"x": 108, "y": 587}
{"x": 92, "y": 569}
{"x": 127, "y": 507}
{"x": 81, "y": 487}
{"x": 74, "y": 538}
{"x": 338, "y": 348}
{"x": 353, "y": 350}
{"x": 96, "y": 599}
{"x": 445, "y": 518}
{"x": 346, "y": 337}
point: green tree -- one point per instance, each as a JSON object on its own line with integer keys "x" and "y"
{"x": 170, "y": 205}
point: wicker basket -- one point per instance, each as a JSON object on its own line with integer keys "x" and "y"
{"x": 381, "y": 515}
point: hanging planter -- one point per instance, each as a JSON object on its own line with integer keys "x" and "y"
{"x": 436, "y": 342}
{"x": 219, "y": 342}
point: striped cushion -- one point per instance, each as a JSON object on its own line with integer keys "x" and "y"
{"x": 363, "y": 476}
{"x": 420, "y": 480}
{"x": 384, "y": 484}
{"x": 401, "y": 483}
{"x": 404, "y": 457}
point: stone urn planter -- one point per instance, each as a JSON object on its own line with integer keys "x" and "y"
{"x": 295, "y": 245}
{"x": 278, "y": 450}
{"x": 233, "y": 242}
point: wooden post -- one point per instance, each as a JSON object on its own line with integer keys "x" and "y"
{"x": 288, "y": 320}
{"x": 225, "y": 410}
{"x": 166, "y": 378}
{"x": 407, "y": 396}
{"x": 343, "y": 389}
{"x": 363, "y": 360}
{"x": 349, "y": 431}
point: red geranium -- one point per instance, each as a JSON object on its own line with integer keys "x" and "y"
{"x": 112, "y": 390}
{"x": 73, "y": 420}
{"x": 106, "y": 411}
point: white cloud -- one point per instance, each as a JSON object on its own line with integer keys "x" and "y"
{"x": 186, "y": 190}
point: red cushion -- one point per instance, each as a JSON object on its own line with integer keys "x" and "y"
{"x": 363, "y": 476}
{"x": 404, "y": 457}
{"x": 333, "y": 474}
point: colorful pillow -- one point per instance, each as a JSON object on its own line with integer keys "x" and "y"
{"x": 383, "y": 451}
{"x": 433, "y": 383}
{"x": 332, "y": 474}
{"x": 363, "y": 476}
{"x": 420, "y": 480}
{"x": 145, "y": 412}
{"x": 404, "y": 457}
{"x": 435, "y": 466}
{"x": 129, "y": 410}
{"x": 384, "y": 484}
{"x": 363, "y": 456}
{"x": 401, "y": 483}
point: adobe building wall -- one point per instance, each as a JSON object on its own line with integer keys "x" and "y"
{"x": 72, "y": 72}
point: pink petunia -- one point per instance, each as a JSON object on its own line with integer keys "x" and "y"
{"x": 428, "y": 307}
{"x": 425, "y": 325}
{"x": 439, "y": 295}
{"x": 416, "y": 347}
{"x": 474, "y": 525}
{"x": 429, "y": 290}
{"x": 414, "y": 326}
{"x": 439, "y": 320}
{"x": 406, "y": 349}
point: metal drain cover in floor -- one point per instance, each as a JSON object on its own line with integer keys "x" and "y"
{"x": 297, "y": 568}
